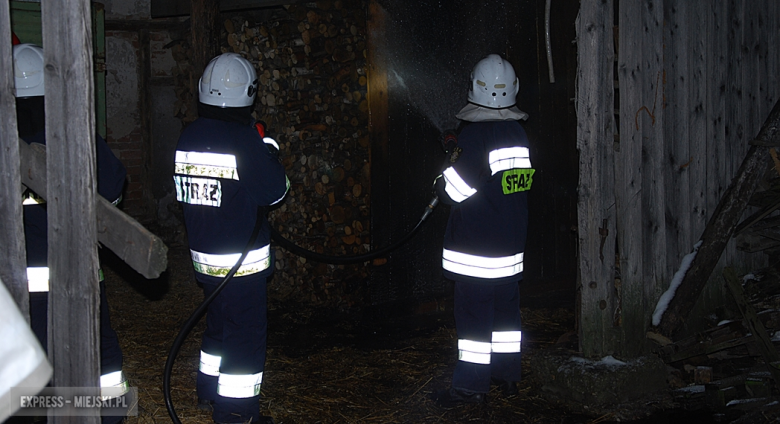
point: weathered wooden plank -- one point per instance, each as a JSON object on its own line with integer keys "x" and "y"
{"x": 772, "y": 38}
{"x": 678, "y": 113}
{"x": 715, "y": 152}
{"x": 751, "y": 107}
{"x": 595, "y": 207}
{"x": 699, "y": 21}
{"x": 736, "y": 119}
{"x": 720, "y": 228}
{"x": 649, "y": 125}
{"x": 204, "y": 27}
{"x": 74, "y": 333}
{"x": 127, "y": 238}
{"x": 636, "y": 111}
{"x": 12, "y": 261}
{"x": 765, "y": 345}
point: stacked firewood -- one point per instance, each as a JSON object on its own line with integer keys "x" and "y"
{"x": 310, "y": 61}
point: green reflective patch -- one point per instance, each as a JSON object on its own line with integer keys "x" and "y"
{"x": 517, "y": 180}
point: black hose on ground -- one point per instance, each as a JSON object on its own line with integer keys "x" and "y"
{"x": 291, "y": 247}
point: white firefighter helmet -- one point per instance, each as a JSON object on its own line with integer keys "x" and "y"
{"x": 229, "y": 80}
{"x": 493, "y": 83}
{"x": 28, "y": 70}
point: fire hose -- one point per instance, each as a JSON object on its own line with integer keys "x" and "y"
{"x": 290, "y": 246}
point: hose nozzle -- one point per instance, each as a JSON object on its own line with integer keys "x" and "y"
{"x": 431, "y": 206}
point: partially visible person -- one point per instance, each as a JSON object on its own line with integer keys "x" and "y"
{"x": 226, "y": 173}
{"x": 29, "y": 89}
{"x": 23, "y": 362}
{"x": 486, "y": 179}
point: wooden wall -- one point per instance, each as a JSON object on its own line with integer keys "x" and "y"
{"x": 670, "y": 93}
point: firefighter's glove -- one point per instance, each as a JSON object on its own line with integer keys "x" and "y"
{"x": 270, "y": 143}
{"x": 448, "y": 140}
{"x": 272, "y": 146}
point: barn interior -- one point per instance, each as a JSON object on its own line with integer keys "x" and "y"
{"x": 357, "y": 94}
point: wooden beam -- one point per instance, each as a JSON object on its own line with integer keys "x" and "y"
{"x": 74, "y": 331}
{"x": 170, "y": 8}
{"x": 721, "y": 227}
{"x": 127, "y": 238}
{"x": 599, "y": 314}
{"x": 204, "y": 33}
{"x": 13, "y": 260}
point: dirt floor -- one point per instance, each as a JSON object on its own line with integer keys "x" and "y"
{"x": 328, "y": 367}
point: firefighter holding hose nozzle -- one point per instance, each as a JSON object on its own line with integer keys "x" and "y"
{"x": 486, "y": 179}
{"x": 226, "y": 171}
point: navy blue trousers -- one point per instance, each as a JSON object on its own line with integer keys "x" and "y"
{"x": 479, "y": 311}
{"x": 110, "y": 351}
{"x": 236, "y": 330}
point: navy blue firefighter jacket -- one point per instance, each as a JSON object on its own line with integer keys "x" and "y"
{"x": 224, "y": 173}
{"x": 487, "y": 184}
{"x": 110, "y": 183}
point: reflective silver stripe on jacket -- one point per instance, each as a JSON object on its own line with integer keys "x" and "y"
{"x": 209, "y": 364}
{"x": 219, "y": 265}
{"x": 271, "y": 141}
{"x": 456, "y": 188}
{"x": 217, "y": 165}
{"x": 239, "y": 385}
{"x": 506, "y": 341}
{"x": 482, "y": 266}
{"x": 509, "y": 158}
{"x": 286, "y": 189}
{"x": 37, "y": 279}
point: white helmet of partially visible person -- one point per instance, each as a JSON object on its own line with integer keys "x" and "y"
{"x": 493, "y": 83}
{"x": 28, "y": 70}
{"x": 229, "y": 80}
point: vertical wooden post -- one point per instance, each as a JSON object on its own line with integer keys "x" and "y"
{"x": 13, "y": 259}
{"x": 378, "y": 129}
{"x": 204, "y": 23}
{"x": 71, "y": 189}
{"x": 596, "y": 208}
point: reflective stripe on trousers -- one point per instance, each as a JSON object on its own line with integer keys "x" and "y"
{"x": 479, "y": 352}
{"x": 482, "y": 266}
{"x": 230, "y": 385}
{"x": 219, "y": 265}
{"x": 209, "y": 364}
{"x": 38, "y": 279}
{"x": 239, "y": 385}
{"x": 113, "y": 384}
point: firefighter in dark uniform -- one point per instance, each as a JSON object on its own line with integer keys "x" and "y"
{"x": 227, "y": 171}
{"x": 29, "y": 85}
{"x": 486, "y": 179}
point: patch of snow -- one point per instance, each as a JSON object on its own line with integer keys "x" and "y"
{"x": 668, "y": 295}
{"x": 742, "y": 401}
{"x": 607, "y": 360}
{"x": 692, "y": 389}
